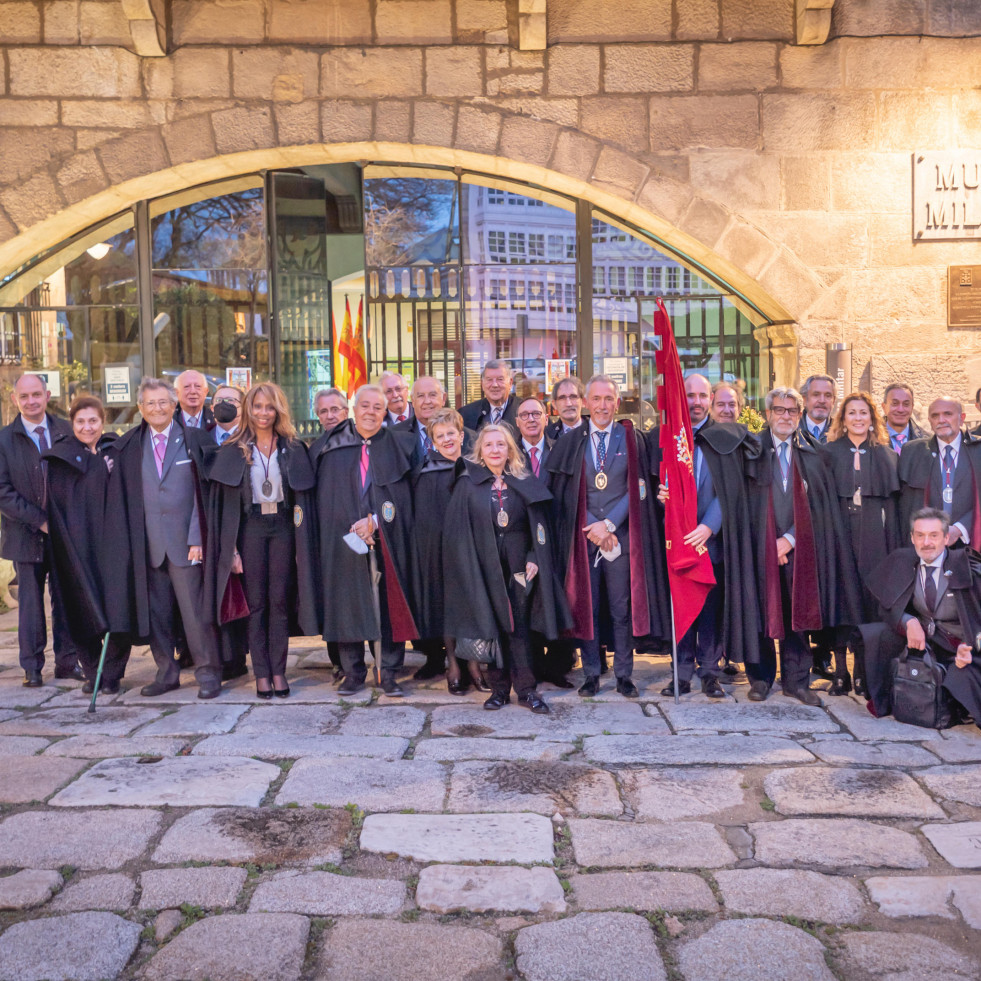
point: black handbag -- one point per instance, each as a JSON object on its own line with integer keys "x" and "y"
{"x": 479, "y": 650}
{"x": 918, "y": 695}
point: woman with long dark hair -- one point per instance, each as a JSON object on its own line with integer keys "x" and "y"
{"x": 864, "y": 474}
{"x": 261, "y": 480}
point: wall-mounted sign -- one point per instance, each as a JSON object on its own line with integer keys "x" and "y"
{"x": 946, "y": 195}
{"x": 242, "y": 377}
{"x": 117, "y": 383}
{"x": 964, "y": 296}
{"x": 619, "y": 370}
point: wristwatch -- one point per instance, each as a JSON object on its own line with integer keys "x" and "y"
{"x": 610, "y": 526}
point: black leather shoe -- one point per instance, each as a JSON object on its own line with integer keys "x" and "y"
{"x": 109, "y": 687}
{"x": 456, "y": 687}
{"x": 684, "y": 687}
{"x": 496, "y": 702}
{"x": 88, "y": 688}
{"x": 229, "y": 672}
{"x": 282, "y": 692}
{"x": 859, "y": 687}
{"x": 158, "y": 688}
{"x": 266, "y": 695}
{"x": 712, "y": 688}
{"x": 32, "y": 679}
{"x": 822, "y": 668}
{"x": 804, "y": 695}
{"x": 731, "y": 669}
{"x": 589, "y": 687}
{"x": 627, "y": 688}
{"x": 481, "y": 685}
{"x": 560, "y": 682}
{"x": 75, "y": 674}
{"x": 758, "y": 690}
{"x": 392, "y": 688}
{"x": 536, "y": 703}
{"x": 350, "y": 687}
{"x": 206, "y": 693}
{"x": 840, "y": 686}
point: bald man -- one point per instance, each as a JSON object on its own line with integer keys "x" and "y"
{"x": 192, "y": 394}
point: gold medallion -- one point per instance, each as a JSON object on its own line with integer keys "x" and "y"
{"x": 502, "y": 518}
{"x": 601, "y": 481}
{"x": 857, "y": 497}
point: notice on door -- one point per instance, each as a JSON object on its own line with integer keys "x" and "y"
{"x": 118, "y": 384}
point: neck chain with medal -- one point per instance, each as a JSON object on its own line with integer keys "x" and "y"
{"x": 857, "y": 471}
{"x": 267, "y": 486}
{"x": 601, "y": 480}
{"x": 502, "y": 515}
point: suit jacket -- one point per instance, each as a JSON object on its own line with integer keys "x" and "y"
{"x": 207, "y": 418}
{"x": 387, "y": 421}
{"x": 170, "y": 501}
{"x": 22, "y": 493}
{"x": 546, "y": 449}
{"x": 477, "y": 414}
{"x": 804, "y": 427}
{"x": 557, "y": 428}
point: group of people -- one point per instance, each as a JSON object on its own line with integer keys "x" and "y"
{"x": 495, "y": 540}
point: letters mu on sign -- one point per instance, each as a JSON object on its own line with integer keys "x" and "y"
{"x": 946, "y": 195}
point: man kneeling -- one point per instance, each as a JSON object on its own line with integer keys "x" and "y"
{"x": 929, "y": 594}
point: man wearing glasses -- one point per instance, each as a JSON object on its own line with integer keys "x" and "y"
{"x": 535, "y": 445}
{"x": 226, "y": 406}
{"x": 397, "y": 398}
{"x": 806, "y": 580}
{"x": 567, "y": 401}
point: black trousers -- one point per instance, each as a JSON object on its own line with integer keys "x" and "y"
{"x": 610, "y": 581}
{"x": 518, "y": 671}
{"x": 117, "y": 657}
{"x": 32, "y": 631}
{"x": 392, "y": 652}
{"x": 268, "y": 549}
{"x": 172, "y": 588}
{"x": 703, "y": 639}
{"x": 795, "y": 653}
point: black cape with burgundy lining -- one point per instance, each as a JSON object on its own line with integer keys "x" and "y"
{"x": 649, "y": 604}
{"x": 348, "y": 606}
{"x": 476, "y": 598}
{"x": 826, "y": 591}
{"x": 726, "y": 448}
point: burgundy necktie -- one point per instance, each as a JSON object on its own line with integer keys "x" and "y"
{"x": 41, "y": 437}
{"x": 534, "y": 460}
{"x": 401, "y": 418}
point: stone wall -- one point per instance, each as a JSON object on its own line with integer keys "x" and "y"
{"x": 784, "y": 168}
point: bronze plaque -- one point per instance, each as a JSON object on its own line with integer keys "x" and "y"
{"x": 964, "y": 296}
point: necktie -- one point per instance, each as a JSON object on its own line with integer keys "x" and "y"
{"x": 816, "y": 432}
{"x": 784, "y": 454}
{"x": 42, "y": 438}
{"x": 496, "y": 415}
{"x": 948, "y": 495}
{"x": 897, "y": 442}
{"x": 929, "y": 588}
{"x": 159, "y": 451}
{"x": 601, "y": 451}
{"x": 401, "y": 418}
{"x": 428, "y": 445}
{"x": 223, "y": 434}
{"x": 533, "y": 452}
{"x": 192, "y": 422}
{"x": 364, "y": 464}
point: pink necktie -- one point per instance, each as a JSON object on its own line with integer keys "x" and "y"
{"x": 364, "y": 463}
{"x": 400, "y": 419}
{"x": 159, "y": 451}
{"x": 534, "y": 460}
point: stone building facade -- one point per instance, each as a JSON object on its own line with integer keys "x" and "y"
{"x": 768, "y": 141}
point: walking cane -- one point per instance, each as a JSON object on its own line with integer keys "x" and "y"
{"x": 375, "y": 579}
{"x": 98, "y": 674}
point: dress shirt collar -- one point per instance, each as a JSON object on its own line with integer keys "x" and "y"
{"x": 955, "y": 443}
{"x": 937, "y": 563}
{"x": 593, "y": 428}
{"x": 29, "y": 427}
{"x": 163, "y": 432}
{"x": 540, "y": 445}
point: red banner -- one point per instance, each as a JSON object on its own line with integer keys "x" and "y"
{"x": 357, "y": 362}
{"x": 690, "y": 573}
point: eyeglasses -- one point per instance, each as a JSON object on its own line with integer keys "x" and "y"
{"x": 223, "y": 400}
{"x": 531, "y": 415}
{"x": 780, "y": 410}
{"x": 157, "y": 405}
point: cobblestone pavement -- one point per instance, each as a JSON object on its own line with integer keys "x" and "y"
{"x": 424, "y": 838}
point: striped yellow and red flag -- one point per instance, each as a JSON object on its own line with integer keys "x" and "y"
{"x": 358, "y": 359}
{"x": 345, "y": 349}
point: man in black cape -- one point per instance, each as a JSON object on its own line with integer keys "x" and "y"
{"x": 593, "y": 488}
{"x": 805, "y": 571}
{"x": 364, "y": 487}
{"x": 943, "y": 611}
{"x": 944, "y": 472}
{"x": 729, "y": 621}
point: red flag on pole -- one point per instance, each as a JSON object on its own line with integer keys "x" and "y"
{"x": 690, "y": 573}
{"x": 358, "y": 360}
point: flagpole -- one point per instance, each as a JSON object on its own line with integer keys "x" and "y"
{"x": 674, "y": 650}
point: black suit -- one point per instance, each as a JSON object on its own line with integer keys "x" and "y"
{"x": 477, "y": 414}
{"x": 206, "y": 420}
{"x": 555, "y": 429}
{"x": 22, "y": 505}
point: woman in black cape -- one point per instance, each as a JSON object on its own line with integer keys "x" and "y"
{"x": 77, "y": 479}
{"x": 864, "y": 474}
{"x": 258, "y": 528}
{"x": 500, "y": 582}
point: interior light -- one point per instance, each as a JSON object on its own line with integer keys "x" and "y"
{"x": 99, "y": 251}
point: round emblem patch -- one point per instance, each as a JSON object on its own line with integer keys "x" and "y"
{"x": 643, "y": 489}
{"x": 297, "y": 516}
{"x": 541, "y": 533}
{"x": 388, "y": 511}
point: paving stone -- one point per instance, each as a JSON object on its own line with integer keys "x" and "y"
{"x": 687, "y": 750}
{"x": 751, "y": 717}
{"x": 311, "y": 688}
{"x": 75, "y": 947}
{"x": 958, "y": 844}
{"x": 104, "y": 747}
{"x": 384, "y": 720}
{"x": 290, "y": 746}
{"x": 957, "y": 746}
{"x": 566, "y": 722}
{"x": 235, "y": 947}
{"x": 960, "y": 783}
{"x": 677, "y": 892}
{"x": 260, "y": 835}
{"x": 849, "y": 793}
{"x": 211, "y": 888}
{"x": 27, "y": 778}
{"x": 110, "y": 891}
{"x": 754, "y": 950}
{"x": 430, "y": 951}
{"x": 902, "y": 957}
{"x": 668, "y": 794}
{"x": 290, "y": 720}
{"x": 791, "y": 892}
{"x": 374, "y": 785}
{"x": 110, "y": 721}
{"x": 327, "y": 894}
{"x": 522, "y": 838}
{"x": 872, "y": 754}
{"x": 479, "y": 748}
{"x": 928, "y": 895}
{"x": 863, "y": 725}
{"x": 590, "y": 945}
{"x": 29, "y": 887}
{"x": 547, "y": 788}
{"x": 165, "y": 923}
{"x": 835, "y": 843}
{"x": 8, "y": 714}
{"x": 616, "y": 844}
{"x": 462, "y": 888}
{"x": 196, "y": 720}
{"x": 181, "y": 782}
{"x": 14, "y": 695}
{"x": 21, "y": 745}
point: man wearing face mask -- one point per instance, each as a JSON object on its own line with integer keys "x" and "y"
{"x": 226, "y": 407}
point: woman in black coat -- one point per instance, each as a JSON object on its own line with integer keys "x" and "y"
{"x": 500, "y": 581}
{"x": 258, "y": 524}
{"x": 77, "y": 478}
{"x": 864, "y": 473}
